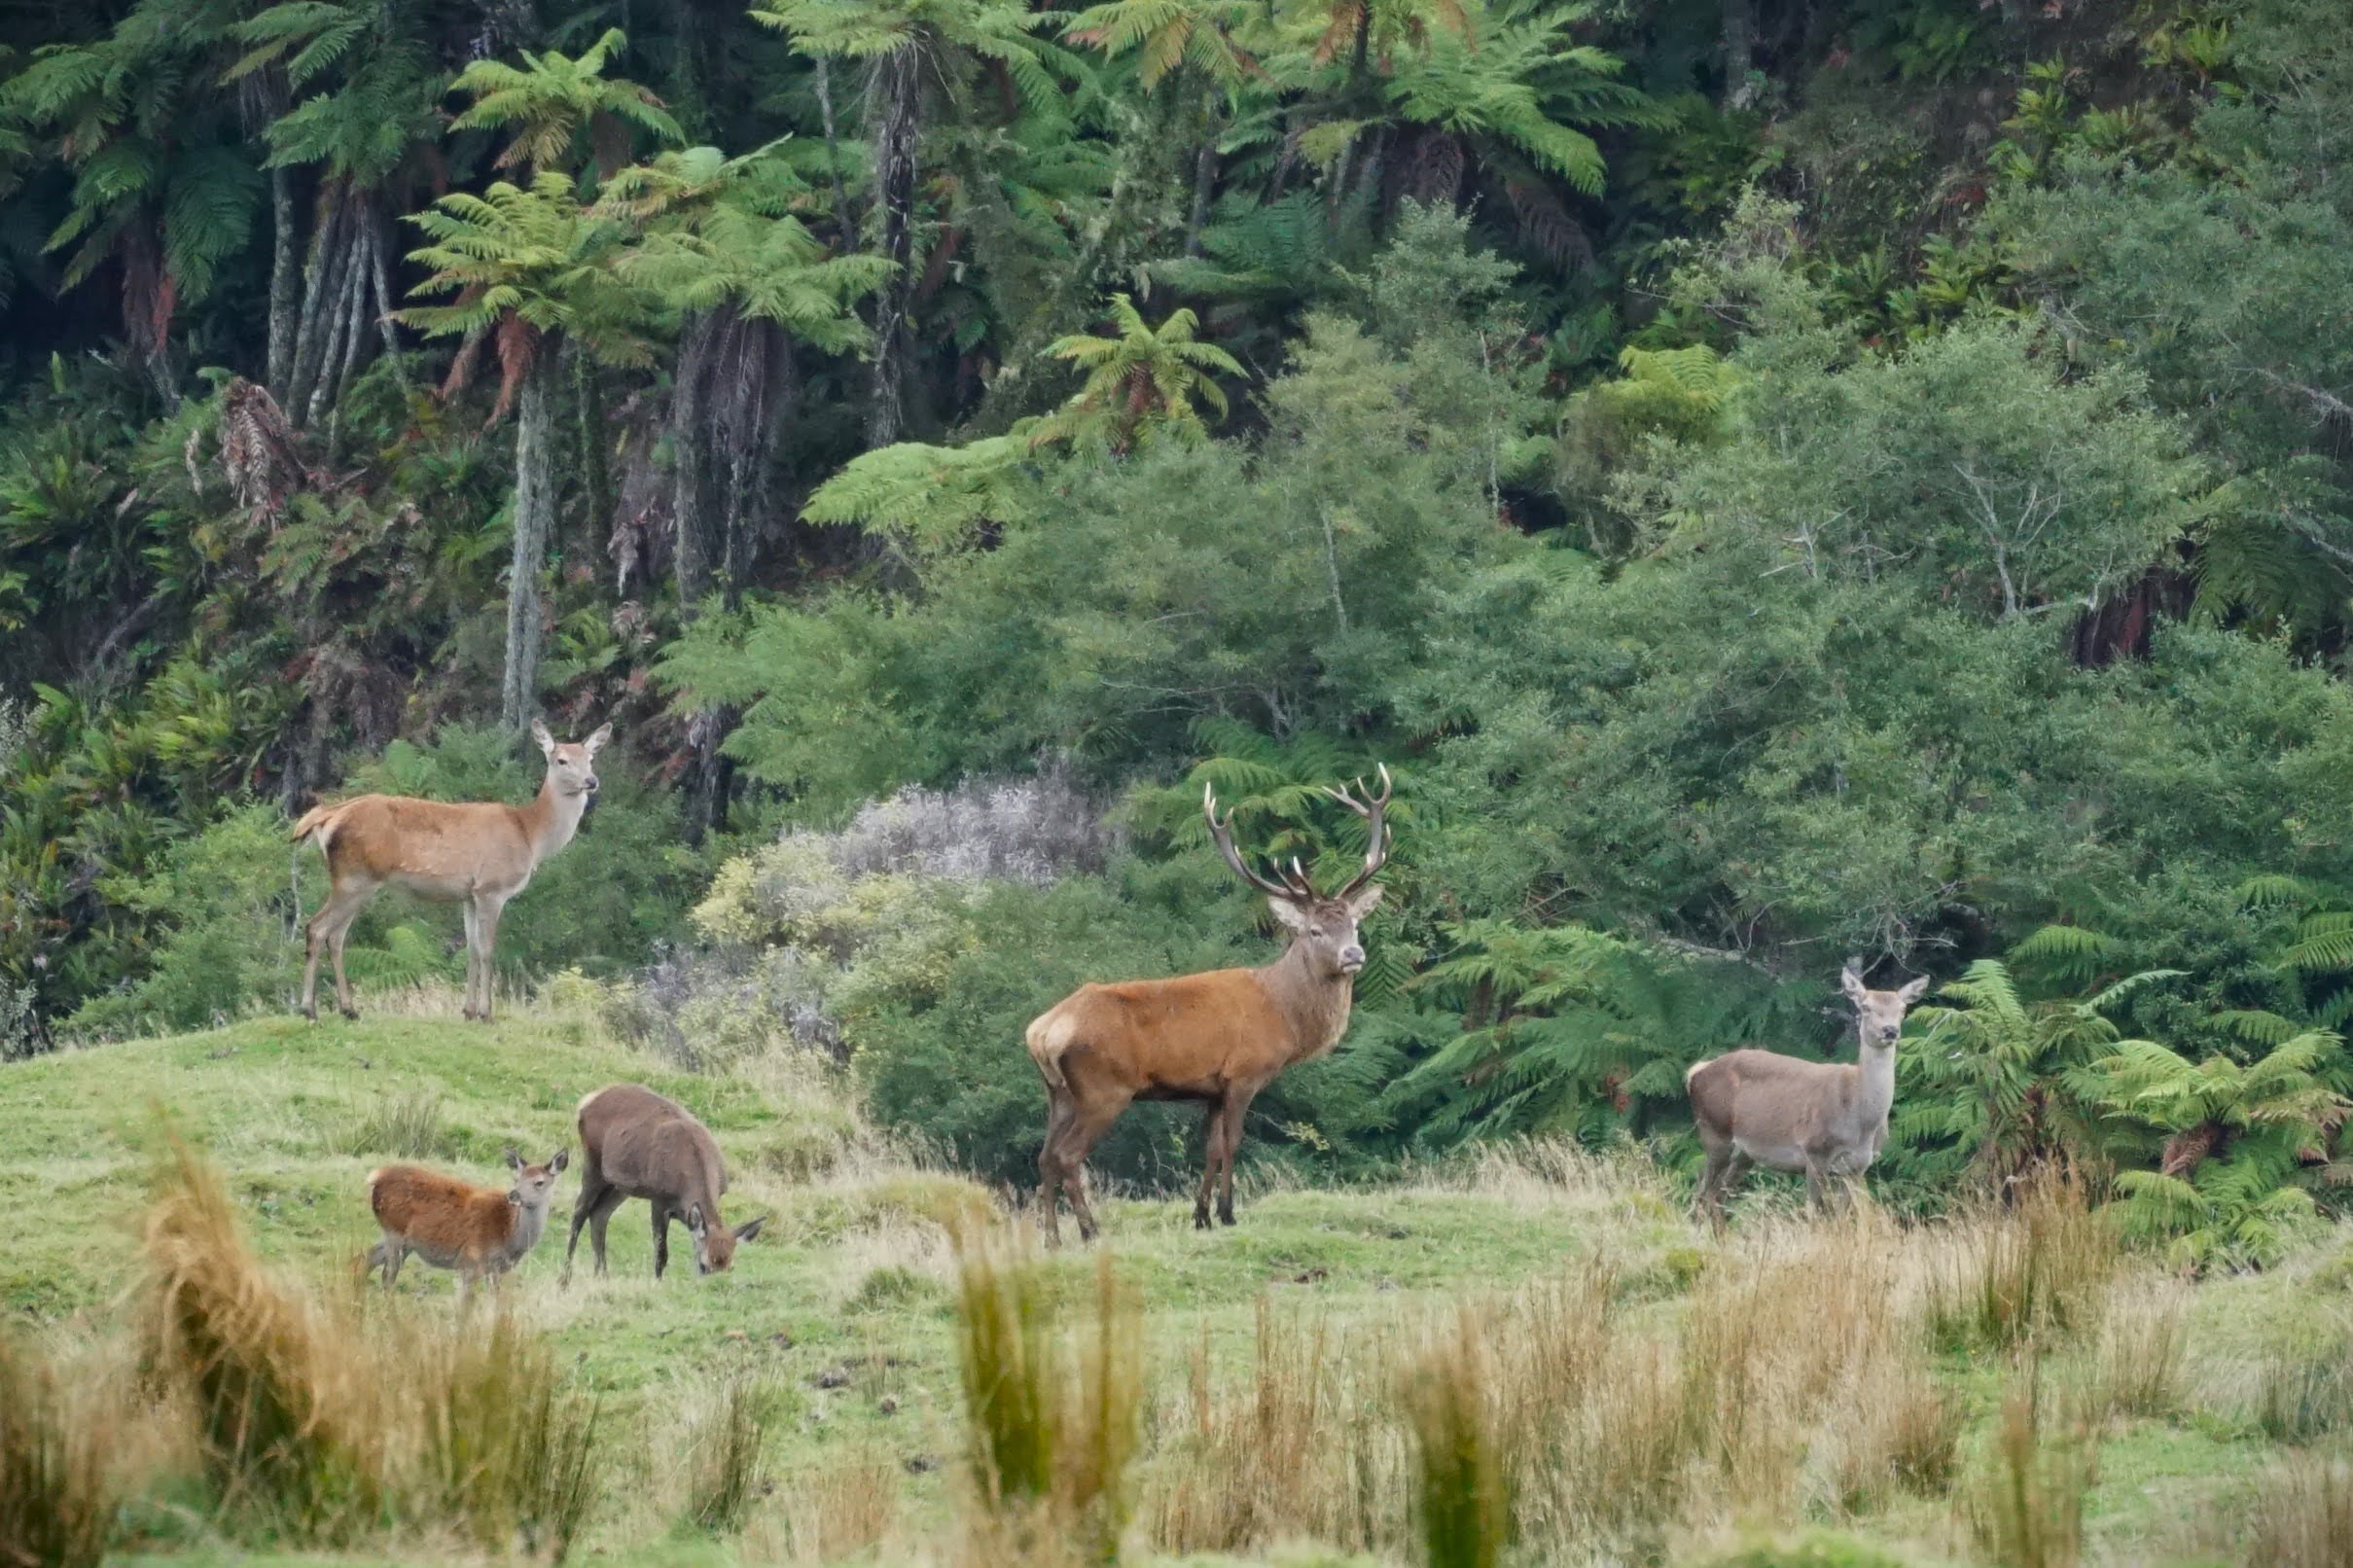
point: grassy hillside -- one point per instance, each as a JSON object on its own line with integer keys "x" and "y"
{"x": 1790, "y": 1376}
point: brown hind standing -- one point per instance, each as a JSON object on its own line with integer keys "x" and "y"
{"x": 1216, "y": 1038}
{"x": 635, "y": 1143}
{"x": 479, "y": 854}
{"x": 479, "y": 1231}
{"x": 1825, "y": 1119}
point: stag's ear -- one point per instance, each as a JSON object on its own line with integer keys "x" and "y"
{"x": 1289, "y": 916}
{"x": 694, "y": 1225}
{"x": 750, "y": 1229}
{"x": 1913, "y": 990}
{"x": 563, "y": 1158}
{"x": 595, "y": 742}
{"x": 539, "y": 733}
{"x": 1850, "y": 980}
{"x": 514, "y": 1161}
{"x": 1364, "y": 902}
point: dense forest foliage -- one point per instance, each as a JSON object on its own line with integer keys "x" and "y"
{"x": 1775, "y": 479}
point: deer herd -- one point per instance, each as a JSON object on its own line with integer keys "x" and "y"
{"x": 1215, "y": 1039}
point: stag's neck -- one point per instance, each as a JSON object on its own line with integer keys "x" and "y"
{"x": 1316, "y": 1004}
{"x": 1874, "y": 1082}
{"x": 551, "y": 819}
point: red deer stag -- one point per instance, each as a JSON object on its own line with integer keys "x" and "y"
{"x": 634, "y": 1143}
{"x": 479, "y": 854}
{"x": 1825, "y": 1119}
{"x": 1217, "y": 1038}
{"x": 479, "y": 1231}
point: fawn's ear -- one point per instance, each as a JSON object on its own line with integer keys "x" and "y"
{"x": 750, "y": 1229}
{"x": 694, "y": 1217}
{"x": 1913, "y": 990}
{"x": 539, "y": 733}
{"x": 596, "y": 742}
{"x": 563, "y": 1158}
{"x": 514, "y": 1160}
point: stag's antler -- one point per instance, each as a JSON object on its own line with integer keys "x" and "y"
{"x": 1295, "y": 886}
{"x": 1375, "y": 811}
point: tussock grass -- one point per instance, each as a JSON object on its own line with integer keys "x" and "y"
{"x": 842, "y": 1510}
{"x": 287, "y": 1426}
{"x": 56, "y": 1503}
{"x": 2024, "y": 1504}
{"x": 2006, "y": 1277}
{"x": 726, "y": 1444}
{"x": 314, "y": 1426}
{"x": 1465, "y": 1489}
{"x": 2141, "y": 1358}
{"x": 2300, "y": 1516}
{"x": 1050, "y": 1432}
{"x": 404, "y": 1125}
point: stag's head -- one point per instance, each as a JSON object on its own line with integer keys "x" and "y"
{"x": 571, "y": 765}
{"x": 1879, "y": 1014}
{"x": 715, "y": 1244}
{"x": 535, "y": 1185}
{"x": 1323, "y": 927}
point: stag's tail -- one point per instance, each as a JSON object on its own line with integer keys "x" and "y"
{"x": 1048, "y": 1036}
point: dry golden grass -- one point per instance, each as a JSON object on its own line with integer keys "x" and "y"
{"x": 837, "y": 1514}
{"x": 57, "y": 1497}
{"x": 2300, "y": 1516}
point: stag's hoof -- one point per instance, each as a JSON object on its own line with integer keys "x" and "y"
{"x": 1225, "y": 1216}
{"x": 311, "y": 1013}
{"x": 1200, "y": 1219}
{"x": 351, "y": 1013}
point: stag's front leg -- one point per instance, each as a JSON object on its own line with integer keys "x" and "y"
{"x": 1229, "y": 1144}
{"x": 1213, "y": 1142}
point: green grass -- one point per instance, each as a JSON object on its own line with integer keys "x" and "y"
{"x": 844, "y": 1306}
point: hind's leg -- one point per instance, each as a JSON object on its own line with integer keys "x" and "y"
{"x": 1058, "y": 1107}
{"x": 326, "y": 929}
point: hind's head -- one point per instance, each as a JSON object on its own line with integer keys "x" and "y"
{"x": 715, "y": 1244}
{"x": 1879, "y": 1015}
{"x": 571, "y": 764}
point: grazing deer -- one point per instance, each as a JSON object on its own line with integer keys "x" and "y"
{"x": 1216, "y": 1038}
{"x": 477, "y": 1230}
{"x": 1825, "y": 1119}
{"x": 479, "y": 854}
{"x": 634, "y": 1143}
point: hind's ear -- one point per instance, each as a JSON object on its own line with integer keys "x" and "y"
{"x": 563, "y": 1158}
{"x": 750, "y": 1229}
{"x": 514, "y": 1161}
{"x": 694, "y": 1219}
{"x": 596, "y": 742}
{"x": 1914, "y": 989}
{"x": 539, "y": 733}
{"x": 1850, "y": 980}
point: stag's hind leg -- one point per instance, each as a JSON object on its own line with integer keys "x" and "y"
{"x": 1229, "y": 1144}
{"x": 1058, "y": 1108}
{"x": 1081, "y": 1133}
{"x": 1213, "y": 1148}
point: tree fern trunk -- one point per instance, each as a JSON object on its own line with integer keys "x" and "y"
{"x": 595, "y": 467}
{"x": 382, "y": 283}
{"x": 285, "y": 302}
{"x": 1204, "y": 183}
{"x": 322, "y": 291}
{"x": 847, "y": 239}
{"x": 1739, "y": 51}
{"x": 897, "y": 92}
{"x": 690, "y": 457}
{"x": 534, "y": 525}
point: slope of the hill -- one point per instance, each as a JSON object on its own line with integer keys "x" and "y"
{"x": 845, "y": 1307}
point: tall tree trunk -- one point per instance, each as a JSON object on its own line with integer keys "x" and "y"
{"x": 322, "y": 296}
{"x": 1205, "y": 180}
{"x": 284, "y": 301}
{"x": 897, "y": 94}
{"x": 1739, "y": 51}
{"x": 534, "y": 525}
{"x": 691, "y": 454}
{"x": 846, "y": 241}
{"x": 595, "y": 465}
{"x": 382, "y": 282}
